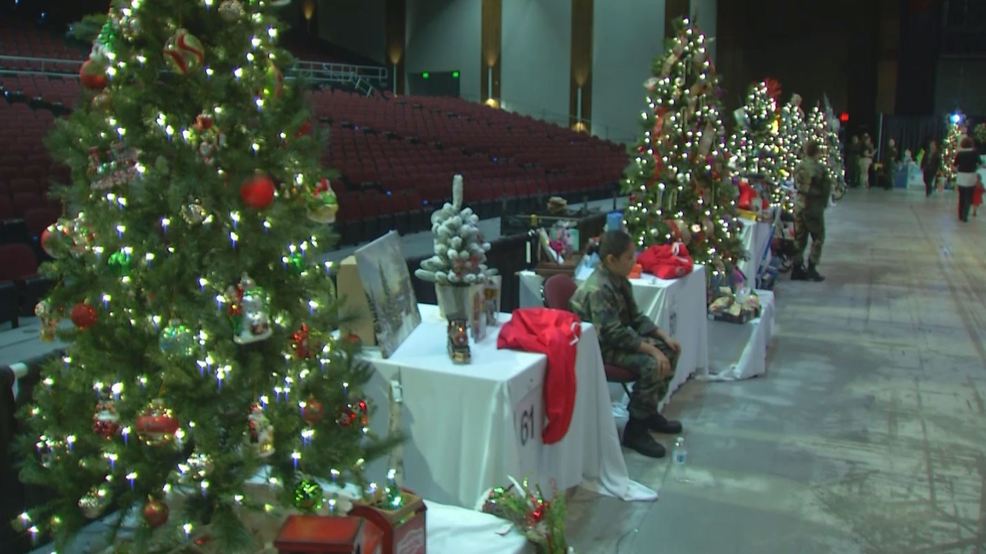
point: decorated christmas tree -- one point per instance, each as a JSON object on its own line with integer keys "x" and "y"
{"x": 823, "y": 129}
{"x": 677, "y": 179}
{"x": 953, "y": 133}
{"x": 755, "y": 145}
{"x": 201, "y": 363}
{"x": 793, "y": 135}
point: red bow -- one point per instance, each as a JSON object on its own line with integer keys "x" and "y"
{"x": 300, "y": 340}
{"x": 773, "y": 89}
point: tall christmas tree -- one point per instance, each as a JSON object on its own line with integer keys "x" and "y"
{"x": 755, "y": 145}
{"x": 201, "y": 356}
{"x": 823, "y": 129}
{"x": 792, "y": 136}
{"x": 677, "y": 179}
{"x": 950, "y": 148}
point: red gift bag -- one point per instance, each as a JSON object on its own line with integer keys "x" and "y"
{"x": 666, "y": 261}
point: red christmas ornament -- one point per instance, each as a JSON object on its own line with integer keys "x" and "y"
{"x": 537, "y": 514}
{"x": 258, "y": 191}
{"x": 155, "y": 512}
{"x": 83, "y": 315}
{"x": 304, "y": 130}
{"x": 313, "y": 411}
{"x": 92, "y": 75}
{"x": 105, "y": 422}
{"x": 183, "y": 51}
{"x": 202, "y": 123}
{"x": 45, "y": 237}
{"x": 156, "y": 426}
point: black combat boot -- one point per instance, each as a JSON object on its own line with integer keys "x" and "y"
{"x": 635, "y": 436}
{"x": 798, "y": 273}
{"x": 659, "y": 424}
{"x": 813, "y": 274}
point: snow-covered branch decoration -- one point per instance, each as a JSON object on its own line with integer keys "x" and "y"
{"x": 460, "y": 251}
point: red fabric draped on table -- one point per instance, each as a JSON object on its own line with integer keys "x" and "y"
{"x": 666, "y": 261}
{"x": 554, "y": 333}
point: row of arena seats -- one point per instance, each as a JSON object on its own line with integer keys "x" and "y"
{"x": 20, "y": 285}
{"x": 399, "y": 147}
{"x": 24, "y": 39}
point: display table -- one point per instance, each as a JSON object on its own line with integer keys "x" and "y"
{"x": 740, "y": 351}
{"x": 675, "y": 305}
{"x": 450, "y": 530}
{"x": 756, "y": 237}
{"x": 469, "y": 427}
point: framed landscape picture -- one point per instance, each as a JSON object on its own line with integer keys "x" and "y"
{"x": 387, "y": 283}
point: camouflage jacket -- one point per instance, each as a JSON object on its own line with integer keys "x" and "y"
{"x": 814, "y": 185}
{"x": 606, "y": 300}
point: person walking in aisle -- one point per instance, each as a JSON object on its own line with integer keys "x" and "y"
{"x": 966, "y": 164}
{"x": 852, "y": 161}
{"x": 865, "y": 160}
{"x": 890, "y": 163}
{"x": 630, "y": 340}
{"x": 814, "y": 188}
{"x": 929, "y": 167}
{"x": 977, "y": 194}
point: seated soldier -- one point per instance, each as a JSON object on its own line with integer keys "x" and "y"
{"x": 630, "y": 340}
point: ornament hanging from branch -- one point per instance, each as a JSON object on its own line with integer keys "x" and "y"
{"x": 183, "y": 52}
{"x": 260, "y": 432}
{"x": 249, "y": 308}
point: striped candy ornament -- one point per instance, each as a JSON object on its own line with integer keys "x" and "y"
{"x": 183, "y": 52}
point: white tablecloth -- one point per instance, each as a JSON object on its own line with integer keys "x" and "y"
{"x": 677, "y": 306}
{"x": 756, "y": 236}
{"x": 740, "y": 351}
{"x": 469, "y": 427}
{"x": 454, "y": 530}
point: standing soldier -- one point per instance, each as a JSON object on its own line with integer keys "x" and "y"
{"x": 814, "y": 188}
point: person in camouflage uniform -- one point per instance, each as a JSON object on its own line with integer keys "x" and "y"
{"x": 630, "y": 340}
{"x": 814, "y": 188}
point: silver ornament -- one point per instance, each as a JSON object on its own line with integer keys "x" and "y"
{"x": 196, "y": 468}
{"x": 193, "y": 213}
{"x": 94, "y": 503}
{"x": 231, "y": 10}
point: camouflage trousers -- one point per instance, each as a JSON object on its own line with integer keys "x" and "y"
{"x": 650, "y": 387}
{"x": 808, "y": 223}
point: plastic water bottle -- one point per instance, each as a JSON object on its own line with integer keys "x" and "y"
{"x": 679, "y": 454}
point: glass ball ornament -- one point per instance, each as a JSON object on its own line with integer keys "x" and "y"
{"x": 183, "y": 52}
{"x": 177, "y": 340}
{"x": 308, "y": 496}
{"x": 196, "y": 468}
{"x": 94, "y": 502}
{"x": 157, "y": 425}
{"x": 120, "y": 262}
{"x": 296, "y": 263}
{"x": 155, "y": 512}
{"x": 105, "y": 421}
{"x": 193, "y": 213}
{"x": 313, "y": 412}
{"x": 231, "y": 10}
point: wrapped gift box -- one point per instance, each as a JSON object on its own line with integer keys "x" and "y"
{"x": 328, "y": 535}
